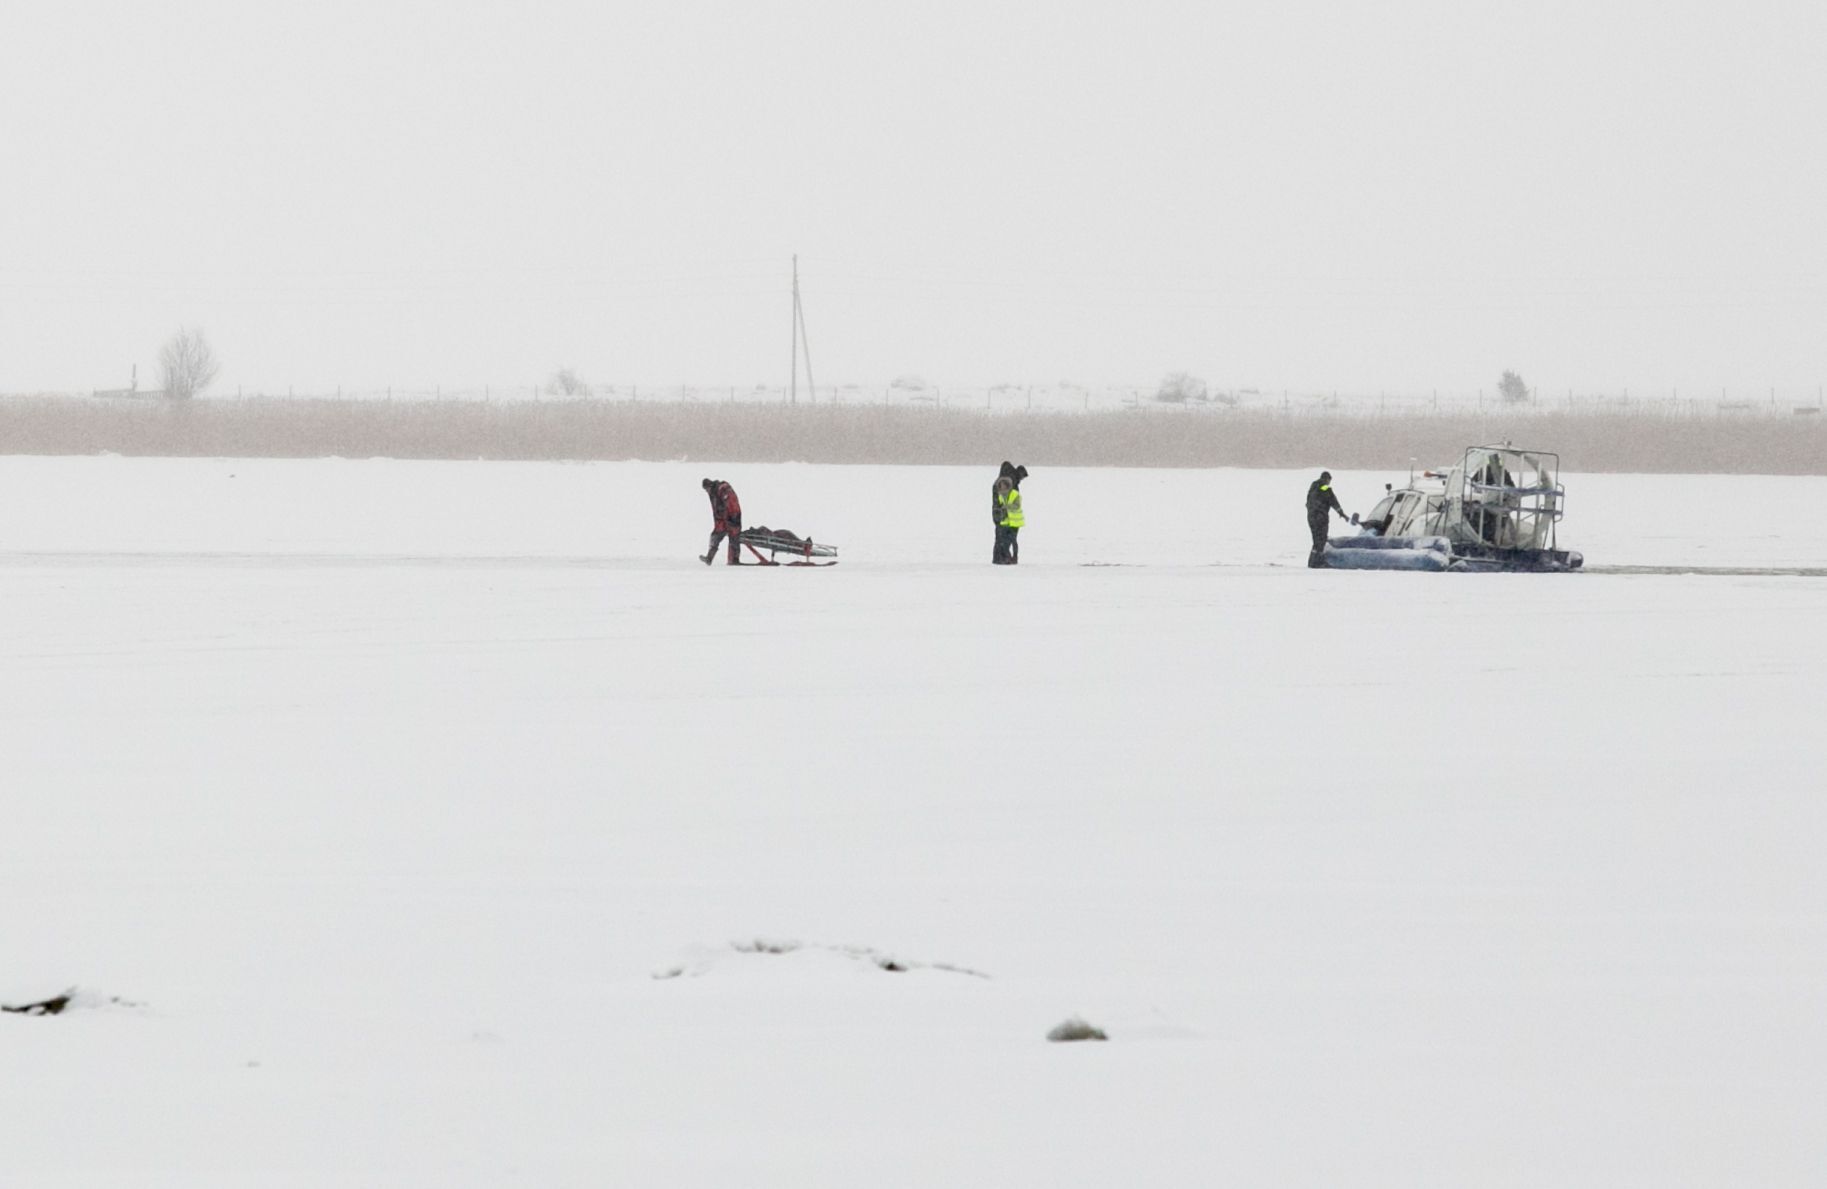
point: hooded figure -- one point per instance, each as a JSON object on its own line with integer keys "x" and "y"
{"x": 726, "y": 516}
{"x": 1321, "y": 502}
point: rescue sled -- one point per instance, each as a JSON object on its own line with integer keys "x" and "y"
{"x": 1495, "y": 511}
{"x": 775, "y": 541}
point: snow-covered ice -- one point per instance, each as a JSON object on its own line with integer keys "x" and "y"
{"x": 449, "y": 824}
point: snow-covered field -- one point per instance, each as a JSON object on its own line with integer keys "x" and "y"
{"x": 417, "y": 823}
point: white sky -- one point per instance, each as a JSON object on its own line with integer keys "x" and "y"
{"x": 1392, "y": 195}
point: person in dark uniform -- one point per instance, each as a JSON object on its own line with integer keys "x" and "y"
{"x": 1322, "y": 501}
{"x": 726, "y": 513}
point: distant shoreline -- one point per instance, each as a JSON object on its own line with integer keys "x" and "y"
{"x": 596, "y": 430}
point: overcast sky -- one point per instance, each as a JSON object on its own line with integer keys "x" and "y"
{"x": 1392, "y": 195}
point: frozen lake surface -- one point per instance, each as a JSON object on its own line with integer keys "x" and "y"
{"x": 418, "y": 823}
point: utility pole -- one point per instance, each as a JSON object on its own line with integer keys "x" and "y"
{"x": 793, "y": 392}
{"x": 799, "y": 341}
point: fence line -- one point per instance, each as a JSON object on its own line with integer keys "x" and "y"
{"x": 1003, "y": 399}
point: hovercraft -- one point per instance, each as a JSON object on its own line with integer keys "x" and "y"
{"x": 1494, "y": 511}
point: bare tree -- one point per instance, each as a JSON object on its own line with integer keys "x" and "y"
{"x": 566, "y": 382}
{"x": 1181, "y": 387}
{"x": 187, "y": 364}
{"x": 1512, "y": 389}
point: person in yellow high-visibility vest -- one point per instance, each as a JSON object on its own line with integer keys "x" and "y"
{"x": 996, "y": 510}
{"x": 1009, "y": 519}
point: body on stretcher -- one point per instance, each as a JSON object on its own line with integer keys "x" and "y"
{"x": 775, "y": 541}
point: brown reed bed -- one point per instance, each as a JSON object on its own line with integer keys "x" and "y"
{"x": 598, "y": 429}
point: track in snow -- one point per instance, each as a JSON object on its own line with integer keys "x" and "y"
{"x": 1717, "y": 571}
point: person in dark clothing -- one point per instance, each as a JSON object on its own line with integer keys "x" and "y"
{"x": 726, "y": 513}
{"x": 1322, "y": 501}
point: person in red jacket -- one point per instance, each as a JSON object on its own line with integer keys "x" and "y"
{"x": 726, "y": 511}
